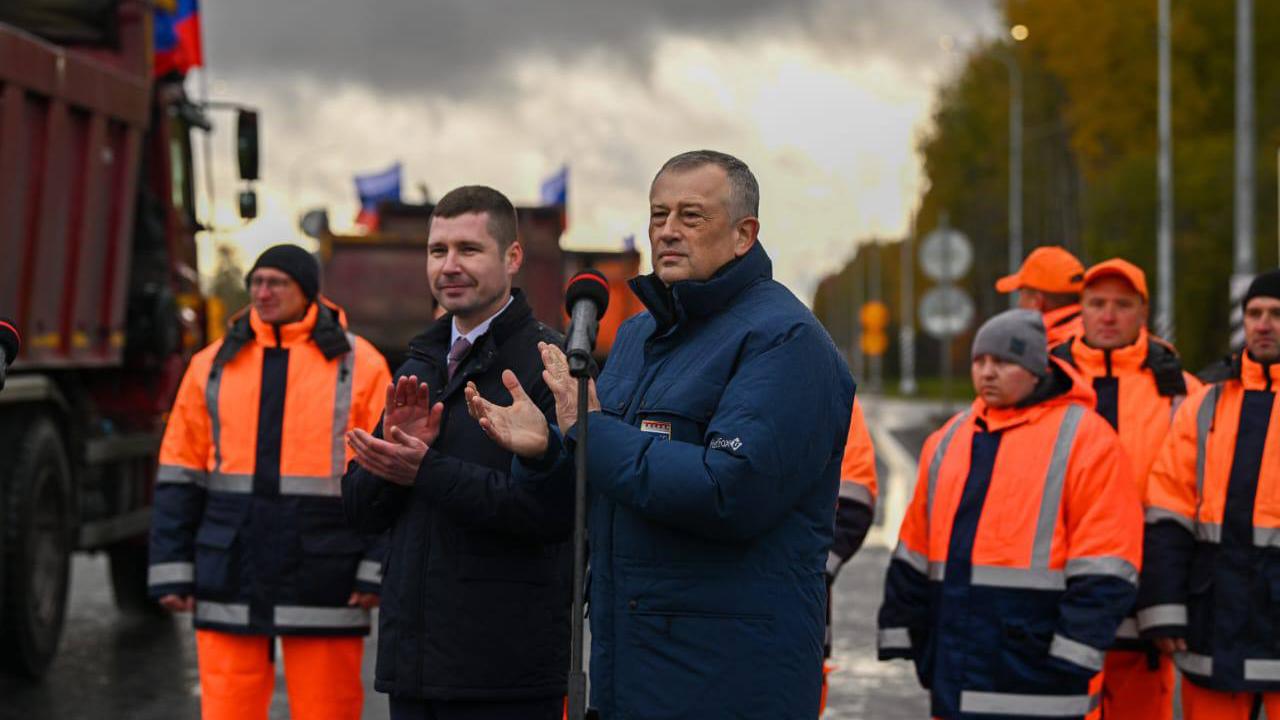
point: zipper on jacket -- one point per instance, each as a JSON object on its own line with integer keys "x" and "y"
{"x": 1106, "y": 358}
{"x": 276, "y": 328}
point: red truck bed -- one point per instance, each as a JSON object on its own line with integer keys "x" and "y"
{"x": 71, "y": 129}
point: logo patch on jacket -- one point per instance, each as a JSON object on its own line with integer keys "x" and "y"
{"x": 657, "y": 427}
{"x": 724, "y": 443}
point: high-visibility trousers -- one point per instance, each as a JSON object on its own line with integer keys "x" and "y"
{"x": 1133, "y": 691}
{"x": 1204, "y": 704}
{"x": 237, "y": 677}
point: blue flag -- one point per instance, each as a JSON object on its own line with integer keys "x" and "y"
{"x": 373, "y": 189}
{"x": 555, "y": 189}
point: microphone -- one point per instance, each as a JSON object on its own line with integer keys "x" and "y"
{"x": 10, "y": 343}
{"x": 586, "y": 300}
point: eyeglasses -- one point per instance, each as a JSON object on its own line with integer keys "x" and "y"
{"x": 273, "y": 284}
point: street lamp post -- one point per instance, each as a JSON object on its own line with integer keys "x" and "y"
{"x": 1244, "y": 192}
{"x": 1164, "y": 175}
{"x": 1018, "y": 33}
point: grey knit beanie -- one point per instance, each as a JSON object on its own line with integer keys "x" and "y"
{"x": 1016, "y": 336}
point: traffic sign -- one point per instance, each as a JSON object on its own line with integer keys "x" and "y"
{"x": 946, "y": 254}
{"x": 946, "y": 311}
{"x": 874, "y": 315}
{"x": 874, "y": 343}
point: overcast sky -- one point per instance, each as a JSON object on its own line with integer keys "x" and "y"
{"x": 823, "y": 99}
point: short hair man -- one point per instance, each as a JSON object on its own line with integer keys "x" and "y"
{"x": 1139, "y": 382}
{"x": 1049, "y": 282}
{"x": 1018, "y": 556}
{"x": 1209, "y": 586}
{"x": 247, "y": 527}
{"x": 475, "y": 613}
{"x": 714, "y": 462}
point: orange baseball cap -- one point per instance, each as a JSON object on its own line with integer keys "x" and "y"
{"x": 1047, "y": 269}
{"x": 1116, "y": 267}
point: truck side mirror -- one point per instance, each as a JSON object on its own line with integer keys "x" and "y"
{"x": 247, "y": 146}
{"x": 248, "y": 204}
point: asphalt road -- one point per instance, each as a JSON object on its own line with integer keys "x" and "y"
{"x": 113, "y": 666}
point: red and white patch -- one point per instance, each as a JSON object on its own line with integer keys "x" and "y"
{"x": 657, "y": 427}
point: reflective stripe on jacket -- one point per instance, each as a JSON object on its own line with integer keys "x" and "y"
{"x": 248, "y": 510}
{"x": 1213, "y": 534}
{"x": 855, "y": 507}
{"x": 1017, "y": 559}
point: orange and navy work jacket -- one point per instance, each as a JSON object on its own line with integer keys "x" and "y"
{"x": 247, "y": 514}
{"x": 1213, "y": 533}
{"x": 855, "y": 507}
{"x": 1018, "y": 557}
{"x": 1139, "y": 387}
{"x": 1063, "y": 324}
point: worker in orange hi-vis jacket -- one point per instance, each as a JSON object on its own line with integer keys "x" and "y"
{"x": 855, "y": 510}
{"x": 247, "y": 530}
{"x": 1019, "y": 553}
{"x": 1210, "y": 593}
{"x": 1139, "y": 382}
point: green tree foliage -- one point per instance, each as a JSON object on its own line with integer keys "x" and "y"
{"x": 1089, "y": 83}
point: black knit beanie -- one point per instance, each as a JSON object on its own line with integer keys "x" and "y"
{"x": 294, "y": 262}
{"x": 1266, "y": 284}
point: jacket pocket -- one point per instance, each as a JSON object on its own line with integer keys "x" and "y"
{"x": 1200, "y": 603}
{"x": 1024, "y": 661}
{"x": 217, "y": 561}
{"x": 327, "y": 571}
{"x": 696, "y": 664}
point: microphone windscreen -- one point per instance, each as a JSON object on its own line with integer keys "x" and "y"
{"x": 10, "y": 340}
{"x": 590, "y": 284}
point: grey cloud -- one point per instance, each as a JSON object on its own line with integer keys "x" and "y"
{"x": 463, "y": 48}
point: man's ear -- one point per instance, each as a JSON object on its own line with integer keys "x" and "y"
{"x": 747, "y": 231}
{"x": 515, "y": 258}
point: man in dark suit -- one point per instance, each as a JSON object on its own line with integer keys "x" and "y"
{"x": 476, "y": 586}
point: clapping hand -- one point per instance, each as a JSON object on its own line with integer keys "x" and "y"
{"x": 564, "y": 387}
{"x": 409, "y": 408}
{"x": 519, "y": 428}
{"x": 410, "y": 422}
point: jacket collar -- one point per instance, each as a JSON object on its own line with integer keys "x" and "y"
{"x": 1062, "y": 386}
{"x": 693, "y": 299}
{"x": 1061, "y": 316}
{"x": 325, "y": 324}
{"x": 504, "y": 326}
{"x": 285, "y": 335}
{"x": 1259, "y": 376}
{"x": 1118, "y": 361}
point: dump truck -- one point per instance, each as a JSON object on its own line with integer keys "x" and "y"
{"x": 380, "y": 278}
{"x": 98, "y": 270}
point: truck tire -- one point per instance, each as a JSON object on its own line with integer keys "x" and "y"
{"x": 38, "y": 539}
{"x": 129, "y": 579}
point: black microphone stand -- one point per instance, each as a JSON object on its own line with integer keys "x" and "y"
{"x": 577, "y": 676}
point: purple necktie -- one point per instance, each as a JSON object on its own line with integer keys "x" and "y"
{"x": 456, "y": 353}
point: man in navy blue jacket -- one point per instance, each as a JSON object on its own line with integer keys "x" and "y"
{"x": 714, "y": 461}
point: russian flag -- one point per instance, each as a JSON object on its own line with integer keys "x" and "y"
{"x": 555, "y": 193}
{"x": 374, "y": 188}
{"x": 177, "y": 38}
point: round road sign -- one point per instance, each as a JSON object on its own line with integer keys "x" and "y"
{"x": 946, "y": 254}
{"x": 946, "y": 311}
